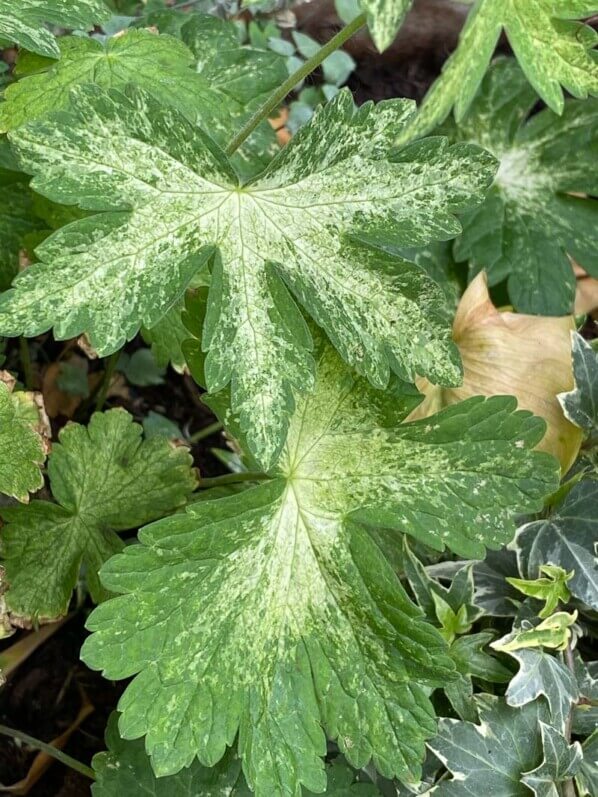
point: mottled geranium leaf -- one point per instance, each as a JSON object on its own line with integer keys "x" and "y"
{"x": 104, "y": 479}
{"x": 530, "y": 224}
{"x": 23, "y": 444}
{"x": 384, "y": 19}
{"x": 23, "y": 21}
{"x": 274, "y": 614}
{"x": 170, "y": 197}
{"x": 552, "y": 48}
{"x": 217, "y": 98}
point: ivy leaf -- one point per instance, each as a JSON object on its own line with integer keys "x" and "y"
{"x": 174, "y": 198}
{"x": 472, "y": 661}
{"x": 561, "y": 762}
{"x": 126, "y": 769}
{"x": 530, "y": 223}
{"x": 483, "y": 758}
{"x": 566, "y": 539}
{"x": 384, "y": 18}
{"x": 552, "y": 49}
{"x": 553, "y": 632}
{"x": 23, "y": 22}
{"x": 580, "y": 405}
{"x": 542, "y": 674}
{"x": 104, "y": 479}
{"x": 587, "y": 777}
{"x": 275, "y": 612}
{"x": 23, "y": 441}
{"x": 551, "y": 589}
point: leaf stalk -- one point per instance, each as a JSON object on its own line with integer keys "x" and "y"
{"x": 50, "y": 750}
{"x": 278, "y": 95}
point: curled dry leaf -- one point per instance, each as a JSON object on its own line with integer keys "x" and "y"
{"x": 506, "y": 353}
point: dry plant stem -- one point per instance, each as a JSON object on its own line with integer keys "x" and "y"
{"x": 106, "y": 379}
{"x": 232, "y": 478}
{"x": 49, "y": 750}
{"x": 278, "y": 95}
{"x": 206, "y": 431}
{"x": 26, "y": 363}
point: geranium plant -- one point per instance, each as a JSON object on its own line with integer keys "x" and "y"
{"x": 394, "y": 590}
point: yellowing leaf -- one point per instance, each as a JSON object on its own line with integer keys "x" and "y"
{"x": 506, "y": 353}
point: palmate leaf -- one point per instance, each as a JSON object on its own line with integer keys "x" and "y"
{"x": 170, "y": 197}
{"x": 217, "y": 97}
{"x": 580, "y": 405}
{"x": 273, "y": 612}
{"x": 126, "y": 769}
{"x": 105, "y": 479}
{"x": 17, "y": 220}
{"x": 22, "y": 21}
{"x": 384, "y": 19}
{"x": 485, "y": 758}
{"x": 552, "y": 48}
{"x": 530, "y": 223}
{"x": 22, "y": 442}
{"x": 566, "y": 538}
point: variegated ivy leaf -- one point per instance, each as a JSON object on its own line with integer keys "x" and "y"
{"x": 567, "y": 538}
{"x": 484, "y": 758}
{"x": 587, "y": 777}
{"x": 104, "y": 479}
{"x": 126, "y": 769}
{"x": 541, "y": 673}
{"x": 273, "y": 612}
{"x": 23, "y": 442}
{"x": 552, "y": 48}
{"x": 384, "y": 19}
{"x": 169, "y": 71}
{"x": 530, "y": 223}
{"x": 169, "y": 197}
{"x": 23, "y": 21}
{"x": 580, "y": 405}
{"x": 561, "y": 762}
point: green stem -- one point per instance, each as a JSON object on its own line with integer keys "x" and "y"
{"x": 49, "y": 750}
{"x": 568, "y": 787}
{"x": 26, "y": 363}
{"x": 106, "y": 379}
{"x": 278, "y": 95}
{"x": 206, "y": 431}
{"x": 232, "y": 478}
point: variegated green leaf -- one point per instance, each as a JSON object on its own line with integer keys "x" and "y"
{"x": 125, "y": 769}
{"x": 530, "y": 223}
{"x": 23, "y": 21}
{"x": 21, "y": 442}
{"x": 167, "y": 336}
{"x": 566, "y": 538}
{"x": 274, "y": 613}
{"x": 541, "y": 673}
{"x": 384, "y": 19}
{"x": 484, "y": 758}
{"x": 104, "y": 480}
{"x": 561, "y": 762}
{"x": 580, "y": 405}
{"x": 170, "y": 197}
{"x": 553, "y": 50}
{"x": 218, "y": 92}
